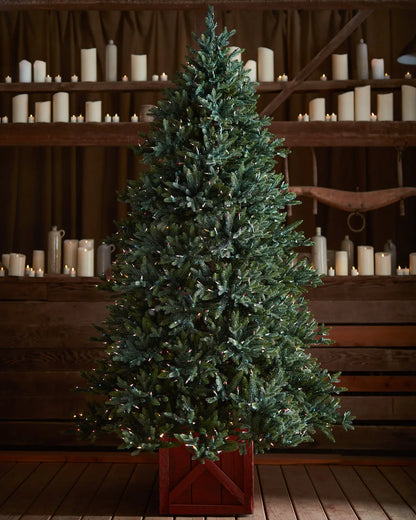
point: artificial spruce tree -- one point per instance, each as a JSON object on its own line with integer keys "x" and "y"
{"x": 208, "y": 334}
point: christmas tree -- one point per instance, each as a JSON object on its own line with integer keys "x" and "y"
{"x": 207, "y": 337}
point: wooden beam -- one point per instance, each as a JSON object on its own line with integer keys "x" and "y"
{"x": 130, "y": 5}
{"x": 332, "y": 45}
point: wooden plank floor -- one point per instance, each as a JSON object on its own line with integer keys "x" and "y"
{"x": 109, "y": 490}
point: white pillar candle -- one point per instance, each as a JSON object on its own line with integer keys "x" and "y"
{"x": 25, "y": 71}
{"x": 88, "y": 243}
{"x": 93, "y": 112}
{"x": 383, "y": 264}
{"x": 111, "y": 61}
{"x": 408, "y": 103}
{"x": 341, "y": 263}
{"x": 362, "y": 60}
{"x": 251, "y": 68}
{"x": 85, "y": 262}
{"x": 317, "y": 109}
{"x": 362, "y": 104}
{"x": 17, "y": 264}
{"x": 38, "y": 259}
{"x": 346, "y": 106}
{"x": 5, "y": 259}
{"x": 412, "y": 263}
{"x": 385, "y": 107}
{"x": 20, "y": 111}
{"x": 60, "y": 107}
{"x": 138, "y": 67}
{"x": 89, "y": 64}
{"x": 237, "y": 55}
{"x": 39, "y": 71}
{"x": 71, "y": 253}
{"x": 365, "y": 260}
{"x": 43, "y": 111}
{"x": 339, "y": 66}
{"x": 377, "y": 68}
{"x": 265, "y": 61}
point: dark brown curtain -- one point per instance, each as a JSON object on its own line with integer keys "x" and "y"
{"x": 76, "y": 188}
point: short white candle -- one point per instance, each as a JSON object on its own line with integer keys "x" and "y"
{"x": 412, "y": 263}
{"x": 93, "y": 111}
{"x": 58, "y": 78}
{"x": 66, "y": 269}
{"x": 386, "y": 76}
{"x": 25, "y": 71}
{"x": 331, "y": 271}
{"x": 134, "y": 118}
{"x": 31, "y": 119}
{"x": 365, "y": 260}
{"x": 306, "y": 118}
{"x": 383, "y": 264}
{"x": 2, "y": 271}
{"x": 8, "y": 79}
{"x": 31, "y": 272}
{"x": 334, "y": 117}
{"x": 124, "y": 78}
{"x": 73, "y": 272}
{"x": 341, "y": 263}
{"x": 300, "y": 117}
{"x": 251, "y": 68}
{"x": 339, "y": 66}
{"x": 115, "y": 118}
{"x": 373, "y": 117}
{"x": 327, "y": 117}
{"x": 43, "y": 111}
{"x": 155, "y": 77}
{"x": 17, "y": 264}
{"x": 39, "y": 71}
{"x": 354, "y": 271}
{"x": 60, "y": 107}
{"x": 48, "y": 79}
{"x": 323, "y": 77}
{"x": 408, "y": 103}
{"x": 362, "y": 103}
{"x": 406, "y": 271}
{"x": 163, "y": 77}
{"x": 346, "y": 106}
{"x": 107, "y": 118}
{"x": 406, "y": 76}
{"x": 377, "y": 68}
{"x": 89, "y": 64}
{"x": 73, "y": 119}
{"x": 74, "y": 78}
{"x": 80, "y": 118}
{"x": 317, "y": 109}
{"x": 138, "y": 64}
{"x": 285, "y": 77}
{"x": 4, "y": 119}
{"x": 265, "y": 61}
{"x": 27, "y": 270}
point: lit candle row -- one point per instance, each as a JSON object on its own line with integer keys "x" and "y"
{"x": 369, "y": 264}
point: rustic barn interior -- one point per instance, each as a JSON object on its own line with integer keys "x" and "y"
{"x": 69, "y": 175}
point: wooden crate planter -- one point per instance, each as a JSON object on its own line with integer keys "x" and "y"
{"x": 188, "y": 487}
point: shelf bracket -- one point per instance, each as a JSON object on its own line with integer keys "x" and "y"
{"x": 332, "y": 45}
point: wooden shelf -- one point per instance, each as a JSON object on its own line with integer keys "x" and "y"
{"x": 321, "y": 134}
{"x": 129, "y": 5}
{"x": 145, "y": 86}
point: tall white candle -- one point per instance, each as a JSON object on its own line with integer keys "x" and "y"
{"x": 377, "y": 68}
{"x": 362, "y": 105}
{"x": 412, "y": 263}
{"x": 383, "y": 264}
{"x": 385, "y": 107}
{"x": 25, "y": 71}
{"x": 138, "y": 67}
{"x": 88, "y": 243}
{"x": 365, "y": 260}
{"x": 339, "y": 66}
{"x": 17, "y": 264}
{"x": 265, "y": 61}
{"x": 346, "y": 106}
{"x": 362, "y": 60}
{"x": 38, "y": 259}
{"x": 251, "y": 68}
{"x": 20, "y": 110}
{"x": 89, "y": 64}
{"x": 71, "y": 253}
{"x": 39, "y": 71}
{"x": 93, "y": 111}
{"x": 341, "y": 263}
{"x": 85, "y": 262}
{"x": 60, "y": 107}
{"x": 43, "y": 111}
{"x": 317, "y": 109}
{"x": 237, "y": 55}
{"x": 408, "y": 103}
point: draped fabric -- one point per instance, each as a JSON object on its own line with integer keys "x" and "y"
{"x": 76, "y": 188}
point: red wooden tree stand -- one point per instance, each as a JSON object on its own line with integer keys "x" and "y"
{"x": 188, "y": 487}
